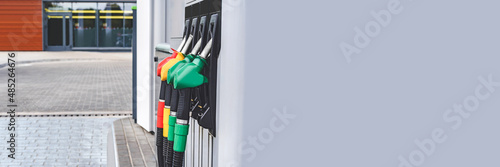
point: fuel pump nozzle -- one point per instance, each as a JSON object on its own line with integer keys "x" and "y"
{"x": 169, "y": 122}
{"x": 184, "y": 78}
{"x": 163, "y": 109}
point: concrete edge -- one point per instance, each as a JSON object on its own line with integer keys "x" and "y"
{"x": 114, "y": 156}
{"x": 43, "y": 60}
{"x": 117, "y": 162}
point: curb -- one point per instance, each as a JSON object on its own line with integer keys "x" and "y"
{"x": 112, "y": 148}
{"x": 44, "y": 60}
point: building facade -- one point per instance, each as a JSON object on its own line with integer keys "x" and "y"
{"x": 36, "y": 25}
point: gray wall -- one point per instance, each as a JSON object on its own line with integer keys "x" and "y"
{"x": 175, "y": 22}
{"x": 416, "y": 90}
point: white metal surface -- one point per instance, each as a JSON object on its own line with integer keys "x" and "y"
{"x": 230, "y": 99}
{"x": 229, "y": 116}
{"x": 159, "y": 21}
{"x": 174, "y": 22}
{"x": 145, "y": 64}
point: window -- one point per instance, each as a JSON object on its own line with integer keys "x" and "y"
{"x": 84, "y": 24}
{"x": 129, "y": 24}
{"x": 92, "y": 24}
{"x": 55, "y": 22}
{"x": 57, "y": 6}
{"x": 111, "y": 24}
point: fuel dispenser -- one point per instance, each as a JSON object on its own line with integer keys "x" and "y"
{"x": 188, "y": 95}
{"x": 165, "y": 101}
{"x": 189, "y": 91}
{"x": 190, "y": 77}
{"x": 174, "y": 101}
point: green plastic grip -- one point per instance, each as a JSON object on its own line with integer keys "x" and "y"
{"x": 177, "y": 66}
{"x": 181, "y": 132}
{"x": 171, "y": 125}
{"x": 189, "y": 75}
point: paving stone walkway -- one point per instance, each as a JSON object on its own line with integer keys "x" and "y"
{"x": 69, "y": 83}
{"x": 135, "y": 146}
{"x": 57, "y": 141}
{"x": 84, "y": 81}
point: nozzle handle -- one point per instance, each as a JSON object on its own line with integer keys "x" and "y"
{"x": 183, "y": 107}
{"x": 168, "y": 94}
{"x": 196, "y": 47}
{"x": 186, "y": 47}
{"x": 174, "y": 100}
{"x": 182, "y": 43}
{"x": 206, "y": 50}
{"x": 163, "y": 86}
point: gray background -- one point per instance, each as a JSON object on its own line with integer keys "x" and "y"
{"x": 370, "y": 111}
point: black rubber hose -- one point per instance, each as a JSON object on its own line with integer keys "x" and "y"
{"x": 165, "y": 148}
{"x": 170, "y": 153}
{"x": 159, "y": 123}
{"x": 178, "y": 159}
{"x": 174, "y": 98}
{"x": 168, "y": 95}
{"x": 182, "y": 114}
{"x": 159, "y": 146}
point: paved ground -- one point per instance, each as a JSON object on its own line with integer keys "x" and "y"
{"x": 72, "y": 81}
{"x": 65, "y": 82}
{"x": 135, "y": 146}
{"x": 72, "y": 55}
{"x": 57, "y": 141}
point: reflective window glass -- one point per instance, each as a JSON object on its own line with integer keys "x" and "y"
{"x": 84, "y": 24}
{"x": 111, "y": 19}
{"x": 57, "y": 5}
{"x": 129, "y": 24}
{"x": 55, "y": 22}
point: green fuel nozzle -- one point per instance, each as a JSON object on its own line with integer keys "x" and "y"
{"x": 184, "y": 76}
{"x": 188, "y": 76}
{"x": 163, "y": 115}
{"x": 178, "y": 65}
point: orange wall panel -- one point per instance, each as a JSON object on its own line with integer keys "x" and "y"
{"x": 21, "y": 25}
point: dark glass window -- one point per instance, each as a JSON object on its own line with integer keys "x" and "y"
{"x": 111, "y": 24}
{"x": 55, "y": 22}
{"x": 84, "y": 24}
{"x": 129, "y": 24}
{"x": 92, "y": 24}
{"x": 57, "y": 6}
